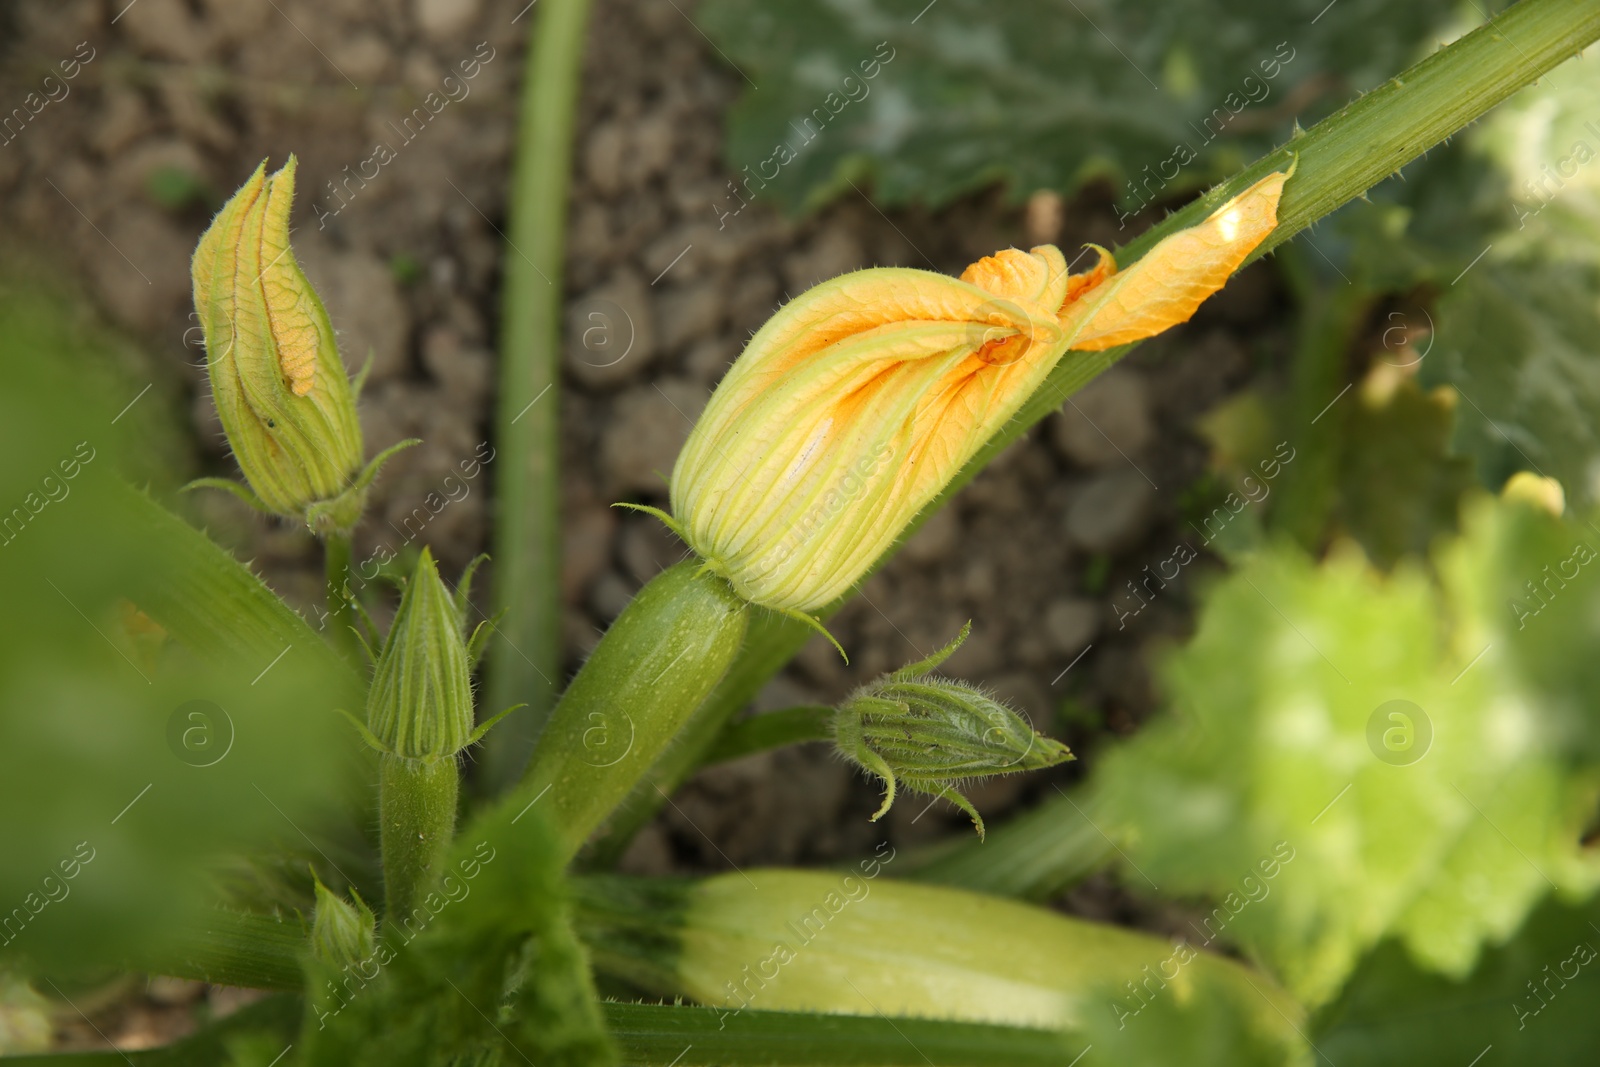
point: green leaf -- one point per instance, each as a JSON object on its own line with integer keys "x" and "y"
{"x": 928, "y": 101}
{"x": 1398, "y": 484}
{"x": 660, "y": 1035}
{"x": 1319, "y": 816}
{"x": 1517, "y": 341}
{"x": 163, "y": 711}
{"x": 1504, "y": 227}
{"x": 1531, "y": 999}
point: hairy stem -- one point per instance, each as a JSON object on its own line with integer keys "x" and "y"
{"x": 417, "y": 818}
{"x": 341, "y": 611}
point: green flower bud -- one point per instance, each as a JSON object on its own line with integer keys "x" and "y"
{"x": 280, "y": 388}
{"x": 420, "y": 703}
{"x": 341, "y": 932}
{"x": 927, "y": 733}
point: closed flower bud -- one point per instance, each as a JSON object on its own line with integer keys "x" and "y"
{"x": 341, "y": 932}
{"x": 926, "y": 733}
{"x": 280, "y": 388}
{"x": 420, "y": 703}
{"x": 859, "y": 402}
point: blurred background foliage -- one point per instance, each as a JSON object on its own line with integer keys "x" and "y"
{"x": 106, "y": 757}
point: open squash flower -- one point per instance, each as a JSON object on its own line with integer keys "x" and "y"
{"x": 858, "y": 402}
{"x": 280, "y": 388}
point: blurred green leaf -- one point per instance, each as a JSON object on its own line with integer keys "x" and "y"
{"x": 1503, "y": 228}
{"x": 928, "y": 101}
{"x": 1397, "y": 483}
{"x": 136, "y": 759}
{"x": 1531, "y": 1000}
{"x": 1321, "y": 816}
{"x": 1520, "y": 342}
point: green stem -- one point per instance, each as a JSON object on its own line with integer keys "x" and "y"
{"x": 656, "y": 665}
{"x": 341, "y": 610}
{"x": 417, "y": 815}
{"x": 1033, "y": 856}
{"x": 1339, "y": 159}
{"x": 773, "y": 729}
{"x": 525, "y": 666}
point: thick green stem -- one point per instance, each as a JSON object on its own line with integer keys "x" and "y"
{"x": 1339, "y": 159}
{"x": 659, "y": 661}
{"x": 341, "y": 610}
{"x": 417, "y": 813}
{"x": 525, "y": 664}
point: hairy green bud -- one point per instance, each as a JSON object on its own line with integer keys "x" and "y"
{"x": 341, "y": 932}
{"x": 420, "y": 703}
{"x": 926, "y": 733}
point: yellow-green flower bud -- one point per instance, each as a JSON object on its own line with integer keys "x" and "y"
{"x": 420, "y": 702}
{"x": 927, "y": 733}
{"x": 341, "y": 932}
{"x": 280, "y": 388}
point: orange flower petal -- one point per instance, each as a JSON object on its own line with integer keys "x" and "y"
{"x": 1175, "y": 277}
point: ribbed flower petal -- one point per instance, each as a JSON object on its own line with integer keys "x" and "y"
{"x": 856, "y": 404}
{"x": 280, "y": 387}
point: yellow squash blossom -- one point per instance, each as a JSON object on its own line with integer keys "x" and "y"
{"x": 286, "y": 404}
{"x": 858, "y": 402}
